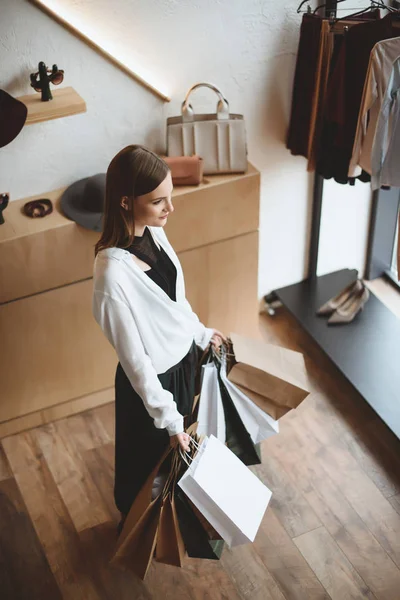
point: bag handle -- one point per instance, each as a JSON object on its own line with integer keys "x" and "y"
{"x": 222, "y": 106}
{"x": 183, "y": 454}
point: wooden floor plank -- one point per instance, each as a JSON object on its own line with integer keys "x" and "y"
{"x": 208, "y": 579}
{"x": 86, "y": 430}
{"x": 395, "y": 502}
{"x": 335, "y": 512}
{"x": 106, "y": 415}
{"x": 285, "y": 562}
{"x": 24, "y": 569}
{"x": 341, "y": 422}
{"x": 97, "y": 544}
{"x": 76, "y": 487}
{"x": 335, "y": 572}
{"x": 249, "y": 574}
{"x": 5, "y": 471}
{"x": 50, "y": 518}
{"x": 293, "y": 510}
{"x": 100, "y": 464}
{"x": 362, "y": 494}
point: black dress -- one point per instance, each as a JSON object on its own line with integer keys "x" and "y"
{"x": 138, "y": 443}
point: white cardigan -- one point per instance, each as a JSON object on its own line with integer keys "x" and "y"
{"x": 149, "y": 331}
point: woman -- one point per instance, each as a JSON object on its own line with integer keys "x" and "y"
{"x": 139, "y": 302}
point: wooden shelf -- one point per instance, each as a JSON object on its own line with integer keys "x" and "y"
{"x": 66, "y": 101}
{"x": 40, "y": 254}
{"x": 17, "y": 224}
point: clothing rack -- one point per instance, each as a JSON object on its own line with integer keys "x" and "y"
{"x": 366, "y": 350}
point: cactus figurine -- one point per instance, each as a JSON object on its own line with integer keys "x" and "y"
{"x": 4, "y": 198}
{"x": 41, "y": 80}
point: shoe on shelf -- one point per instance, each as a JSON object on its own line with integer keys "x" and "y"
{"x": 329, "y": 307}
{"x": 350, "y": 309}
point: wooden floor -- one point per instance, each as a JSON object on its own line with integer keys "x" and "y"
{"x": 332, "y": 529}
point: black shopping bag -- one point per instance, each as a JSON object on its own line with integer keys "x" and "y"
{"x": 196, "y": 540}
{"x": 238, "y": 438}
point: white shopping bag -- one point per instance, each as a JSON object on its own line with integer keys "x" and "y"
{"x": 258, "y": 423}
{"x": 211, "y": 416}
{"x": 226, "y": 492}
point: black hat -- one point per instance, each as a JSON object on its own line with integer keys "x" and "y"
{"x": 83, "y": 201}
{"x": 13, "y": 115}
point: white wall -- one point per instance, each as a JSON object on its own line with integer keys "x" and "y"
{"x": 247, "y": 47}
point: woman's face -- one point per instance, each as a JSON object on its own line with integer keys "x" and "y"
{"x": 152, "y": 209}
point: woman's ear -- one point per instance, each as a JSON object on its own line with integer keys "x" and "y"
{"x": 124, "y": 202}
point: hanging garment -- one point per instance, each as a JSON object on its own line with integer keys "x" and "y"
{"x": 345, "y": 93}
{"x": 318, "y": 101}
{"x": 330, "y": 44}
{"x": 309, "y": 83}
{"x": 380, "y": 66}
{"x": 304, "y": 85}
{"x": 385, "y": 160}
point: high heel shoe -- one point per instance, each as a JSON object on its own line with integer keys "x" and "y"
{"x": 350, "y": 309}
{"x": 329, "y": 307}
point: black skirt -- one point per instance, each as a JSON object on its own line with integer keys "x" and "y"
{"x": 138, "y": 443}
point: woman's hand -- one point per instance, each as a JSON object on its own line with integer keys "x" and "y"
{"x": 182, "y": 440}
{"x": 217, "y": 339}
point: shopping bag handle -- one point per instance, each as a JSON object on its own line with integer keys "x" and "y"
{"x": 182, "y": 454}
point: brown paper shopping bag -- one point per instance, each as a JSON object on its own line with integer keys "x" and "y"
{"x": 141, "y": 534}
{"x": 151, "y": 526}
{"x": 137, "y": 550}
{"x": 212, "y": 534}
{"x": 274, "y": 378}
{"x": 141, "y": 502}
{"x": 170, "y": 548}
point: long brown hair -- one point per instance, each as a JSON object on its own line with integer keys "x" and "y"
{"x": 134, "y": 171}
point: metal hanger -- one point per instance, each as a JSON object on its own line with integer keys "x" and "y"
{"x": 323, "y": 5}
{"x": 302, "y": 4}
{"x": 309, "y": 10}
{"x": 373, "y": 4}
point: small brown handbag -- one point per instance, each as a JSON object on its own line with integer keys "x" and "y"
{"x": 185, "y": 170}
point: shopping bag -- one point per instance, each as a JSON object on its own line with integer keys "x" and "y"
{"x": 237, "y": 438}
{"x": 141, "y": 502}
{"x": 218, "y": 416}
{"x": 212, "y": 534}
{"x": 151, "y": 526}
{"x": 210, "y": 412}
{"x": 203, "y": 357}
{"x": 136, "y": 551}
{"x": 226, "y": 492}
{"x": 274, "y": 378}
{"x": 170, "y": 548}
{"x": 197, "y": 542}
{"x": 258, "y": 423}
